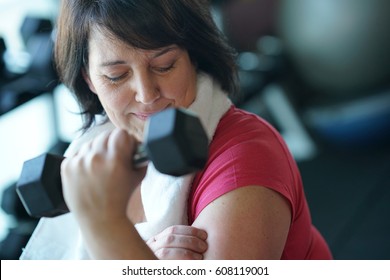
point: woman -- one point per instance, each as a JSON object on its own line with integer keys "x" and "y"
{"x": 128, "y": 59}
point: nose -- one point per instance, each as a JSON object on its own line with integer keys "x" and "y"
{"x": 145, "y": 88}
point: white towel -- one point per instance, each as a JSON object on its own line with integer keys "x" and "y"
{"x": 164, "y": 197}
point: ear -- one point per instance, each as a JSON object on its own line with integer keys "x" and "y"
{"x": 88, "y": 80}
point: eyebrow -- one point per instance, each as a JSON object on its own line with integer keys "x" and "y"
{"x": 157, "y": 54}
{"x": 164, "y": 51}
{"x": 111, "y": 63}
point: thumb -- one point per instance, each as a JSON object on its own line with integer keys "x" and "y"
{"x": 124, "y": 146}
{"x": 121, "y": 144}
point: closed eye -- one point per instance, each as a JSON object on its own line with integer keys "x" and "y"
{"x": 116, "y": 78}
{"x": 163, "y": 70}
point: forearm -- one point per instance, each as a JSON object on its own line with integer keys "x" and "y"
{"x": 119, "y": 240}
{"x": 97, "y": 185}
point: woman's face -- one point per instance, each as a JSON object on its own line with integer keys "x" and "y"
{"x": 132, "y": 84}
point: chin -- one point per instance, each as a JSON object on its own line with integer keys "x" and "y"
{"x": 136, "y": 128}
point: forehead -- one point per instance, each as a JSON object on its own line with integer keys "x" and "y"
{"x": 105, "y": 49}
{"x": 103, "y": 39}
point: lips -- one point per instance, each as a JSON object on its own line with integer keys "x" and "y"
{"x": 145, "y": 115}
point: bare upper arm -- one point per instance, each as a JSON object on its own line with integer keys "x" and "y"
{"x": 247, "y": 223}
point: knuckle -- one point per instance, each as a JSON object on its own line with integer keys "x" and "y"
{"x": 169, "y": 239}
{"x": 173, "y": 229}
{"x": 94, "y": 161}
{"x": 162, "y": 253}
{"x": 150, "y": 241}
{"x": 65, "y": 165}
{"x": 190, "y": 255}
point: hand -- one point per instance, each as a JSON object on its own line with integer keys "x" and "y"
{"x": 179, "y": 242}
{"x": 99, "y": 179}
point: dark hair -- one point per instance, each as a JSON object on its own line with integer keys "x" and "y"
{"x": 143, "y": 24}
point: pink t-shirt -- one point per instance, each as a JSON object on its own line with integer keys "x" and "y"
{"x": 245, "y": 151}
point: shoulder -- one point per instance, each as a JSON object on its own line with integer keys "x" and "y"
{"x": 237, "y": 125}
{"x": 246, "y": 150}
{"x": 241, "y": 133}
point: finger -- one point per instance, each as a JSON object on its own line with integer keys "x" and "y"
{"x": 93, "y": 153}
{"x": 177, "y": 254}
{"x": 84, "y": 149}
{"x": 121, "y": 146}
{"x": 180, "y": 236}
{"x": 185, "y": 230}
{"x": 120, "y": 143}
{"x": 99, "y": 144}
{"x": 187, "y": 242}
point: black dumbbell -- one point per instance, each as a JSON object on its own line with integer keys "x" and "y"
{"x": 11, "y": 204}
{"x": 175, "y": 142}
{"x": 33, "y": 25}
{"x": 3, "y": 49}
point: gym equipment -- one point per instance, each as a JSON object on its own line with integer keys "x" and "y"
{"x": 175, "y": 142}
{"x": 11, "y": 247}
{"x": 40, "y": 75}
{"x": 2, "y": 52}
{"x": 339, "y": 48}
{"x": 11, "y": 204}
{"x": 339, "y": 68}
{"x": 33, "y": 25}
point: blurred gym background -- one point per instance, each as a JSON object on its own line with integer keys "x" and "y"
{"x": 319, "y": 71}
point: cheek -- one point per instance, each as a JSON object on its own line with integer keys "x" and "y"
{"x": 113, "y": 99}
{"x": 182, "y": 89}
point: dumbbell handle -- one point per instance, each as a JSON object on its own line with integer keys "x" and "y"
{"x": 140, "y": 158}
